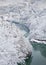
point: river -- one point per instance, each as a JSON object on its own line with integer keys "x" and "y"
{"x": 38, "y": 55}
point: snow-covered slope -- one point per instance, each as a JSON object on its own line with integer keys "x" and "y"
{"x": 32, "y": 13}
{"x": 14, "y": 47}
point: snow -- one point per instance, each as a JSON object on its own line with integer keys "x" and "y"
{"x": 38, "y": 41}
{"x": 14, "y": 47}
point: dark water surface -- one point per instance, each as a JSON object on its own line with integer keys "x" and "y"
{"x": 38, "y": 55}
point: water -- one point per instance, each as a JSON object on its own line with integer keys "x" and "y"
{"x": 38, "y": 55}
